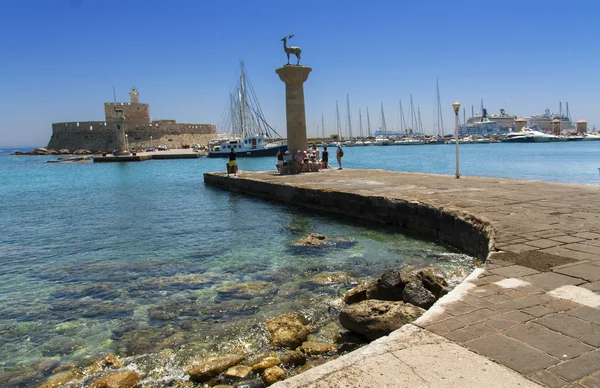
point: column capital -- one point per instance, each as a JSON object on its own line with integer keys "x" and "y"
{"x": 293, "y": 74}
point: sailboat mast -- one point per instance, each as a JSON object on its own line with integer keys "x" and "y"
{"x": 403, "y": 127}
{"x": 360, "y": 124}
{"x": 420, "y": 122}
{"x": 323, "y": 125}
{"x": 232, "y": 111}
{"x": 368, "y": 123}
{"x": 383, "y": 126}
{"x": 440, "y": 114}
{"x": 349, "y": 117}
{"x": 243, "y": 102}
{"x": 412, "y": 115}
{"x": 339, "y": 127}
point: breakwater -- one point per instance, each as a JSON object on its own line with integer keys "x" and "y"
{"x": 536, "y": 296}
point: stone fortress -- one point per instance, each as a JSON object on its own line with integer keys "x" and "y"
{"x": 100, "y": 136}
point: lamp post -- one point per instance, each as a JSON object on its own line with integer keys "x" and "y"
{"x": 151, "y": 141}
{"x": 127, "y": 142}
{"x": 456, "y": 107}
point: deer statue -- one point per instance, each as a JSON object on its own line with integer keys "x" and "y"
{"x": 291, "y": 49}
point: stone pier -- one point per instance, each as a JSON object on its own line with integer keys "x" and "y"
{"x": 529, "y": 317}
{"x": 294, "y": 78}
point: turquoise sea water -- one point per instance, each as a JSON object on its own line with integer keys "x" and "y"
{"x": 135, "y": 258}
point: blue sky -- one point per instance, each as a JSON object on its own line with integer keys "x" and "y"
{"x": 63, "y": 57}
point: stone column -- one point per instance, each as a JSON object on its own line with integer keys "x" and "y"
{"x": 294, "y": 78}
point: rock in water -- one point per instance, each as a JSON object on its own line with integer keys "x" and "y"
{"x": 391, "y": 284}
{"x": 251, "y": 384}
{"x": 317, "y": 348}
{"x": 61, "y": 379}
{"x": 310, "y": 240}
{"x": 360, "y": 293}
{"x": 266, "y": 364}
{"x": 207, "y": 368}
{"x": 122, "y": 379}
{"x": 433, "y": 282}
{"x": 293, "y": 358}
{"x": 238, "y": 371}
{"x": 273, "y": 374}
{"x": 288, "y": 330}
{"x": 375, "y": 318}
{"x": 416, "y": 294}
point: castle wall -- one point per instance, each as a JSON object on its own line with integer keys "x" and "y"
{"x": 141, "y": 133}
{"x": 101, "y": 135}
{"x": 134, "y": 113}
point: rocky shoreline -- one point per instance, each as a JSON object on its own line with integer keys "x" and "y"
{"x": 41, "y": 151}
{"x": 370, "y": 310}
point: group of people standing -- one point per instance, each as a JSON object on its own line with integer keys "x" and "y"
{"x": 304, "y": 161}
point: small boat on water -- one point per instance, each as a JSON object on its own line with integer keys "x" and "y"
{"x": 72, "y": 159}
{"x": 251, "y": 134}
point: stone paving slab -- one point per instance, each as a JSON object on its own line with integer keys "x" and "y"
{"x": 409, "y": 357}
{"x": 510, "y": 313}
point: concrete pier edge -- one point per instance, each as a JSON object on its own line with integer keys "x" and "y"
{"x": 507, "y": 324}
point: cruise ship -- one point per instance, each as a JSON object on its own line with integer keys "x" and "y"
{"x": 482, "y": 124}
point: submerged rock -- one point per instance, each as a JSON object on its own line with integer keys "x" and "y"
{"x": 328, "y": 278}
{"x": 293, "y": 358}
{"x": 416, "y": 294}
{"x": 265, "y": 364}
{"x": 273, "y": 375}
{"x": 122, "y": 379}
{"x": 246, "y": 290}
{"x": 61, "y": 345}
{"x": 205, "y": 369}
{"x": 62, "y": 378}
{"x": 288, "y": 330}
{"x": 377, "y": 318}
{"x": 238, "y": 371}
{"x": 317, "y": 348}
{"x": 310, "y": 240}
{"x": 256, "y": 383}
{"x": 108, "y": 361}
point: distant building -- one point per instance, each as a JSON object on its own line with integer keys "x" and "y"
{"x": 141, "y": 131}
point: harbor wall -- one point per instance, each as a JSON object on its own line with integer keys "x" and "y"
{"x": 453, "y": 227}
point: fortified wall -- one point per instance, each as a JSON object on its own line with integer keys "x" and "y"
{"x": 140, "y": 131}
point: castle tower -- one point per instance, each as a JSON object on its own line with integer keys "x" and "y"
{"x": 120, "y": 140}
{"x": 556, "y": 126}
{"x": 520, "y": 124}
{"x": 581, "y": 126}
{"x": 134, "y": 96}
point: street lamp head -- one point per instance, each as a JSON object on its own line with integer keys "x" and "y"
{"x": 456, "y": 107}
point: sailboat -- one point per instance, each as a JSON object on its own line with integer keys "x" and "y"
{"x": 253, "y": 136}
{"x": 349, "y": 142}
{"x": 368, "y": 142}
{"x": 381, "y": 140}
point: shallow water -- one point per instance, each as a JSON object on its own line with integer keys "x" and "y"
{"x": 139, "y": 258}
{"x": 144, "y": 261}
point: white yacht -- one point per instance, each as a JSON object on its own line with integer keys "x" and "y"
{"x": 528, "y": 135}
